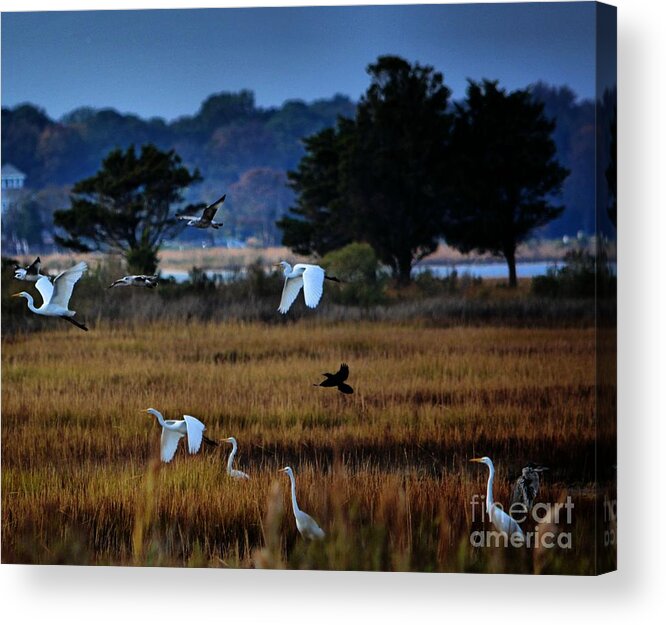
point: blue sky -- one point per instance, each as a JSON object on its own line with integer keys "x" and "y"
{"x": 165, "y": 62}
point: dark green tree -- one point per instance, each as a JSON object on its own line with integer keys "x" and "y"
{"x": 126, "y": 206}
{"x": 394, "y": 167}
{"x": 502, "y": 172}
{"x": 320, "y": 222}
{"x": 377, "y": 178}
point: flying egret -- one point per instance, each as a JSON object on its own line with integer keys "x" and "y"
{"x": 206, "y": 219}
{"x": 231, "y": 472}
{"x": 338, "y": 379}
{"x": 526, "y": 488}
{"x": 56, "y": 294}
{"x": 500, "y": 519}
{"x": 308, "y": 277}
{"x": 305, "y": 524}
{"x": 146, "y": 281}
{"x": 173, "y": 430}
{"x": 31, "y": 273}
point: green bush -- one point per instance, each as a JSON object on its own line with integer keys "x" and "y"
{"x": 577, "y": 278}
{"x": 357, "y": 266}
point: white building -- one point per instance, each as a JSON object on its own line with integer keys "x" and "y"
{"x": 13, "y": 181}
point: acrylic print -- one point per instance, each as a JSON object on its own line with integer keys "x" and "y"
{"x": 310, "y": 288}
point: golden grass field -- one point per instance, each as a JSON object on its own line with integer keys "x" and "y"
{"x": 384, "y": 471}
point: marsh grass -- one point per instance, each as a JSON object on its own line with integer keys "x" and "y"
{"x": 385, "y": 471}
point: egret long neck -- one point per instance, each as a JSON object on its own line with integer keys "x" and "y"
{"x": 31, "y": 303}
{"x": 294, "y": 503}
{"x": 232, "y": 455}
{"x": 489, "y": 490}
{"x": 160, "y": 418}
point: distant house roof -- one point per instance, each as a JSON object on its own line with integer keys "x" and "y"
{"x": 9, "y": 170}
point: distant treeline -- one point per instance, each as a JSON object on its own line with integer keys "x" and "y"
{"x": 244, "y": 150}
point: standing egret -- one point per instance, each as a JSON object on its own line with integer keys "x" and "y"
{"x": 338, "y": 379}
{"x": 500, "y": 519}
{"x": 147, "y": 281}
{"x": 56, "y": 294}
{"x": 231, "y": 472}
{"x": 206, "y": 219}
{"x": 305, "y": 524}
{"x": 527, "y": 486}
{"x": 31, "y": 273}
{"x": 173, "y": 431}
{"x": 308, "y": 277}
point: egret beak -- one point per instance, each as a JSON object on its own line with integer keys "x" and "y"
{"x": 277, "y": 265}
{"x": 282, "y": 470}
{"x": 476, "y": 460}
{"x": 16, "y": 295}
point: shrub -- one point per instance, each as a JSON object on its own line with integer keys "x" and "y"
{"x": 357, "y": 266}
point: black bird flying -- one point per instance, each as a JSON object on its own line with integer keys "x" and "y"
{"x": 338, "y": 379}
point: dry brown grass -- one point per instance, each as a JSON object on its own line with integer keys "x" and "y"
{"x": 385, "y": 471}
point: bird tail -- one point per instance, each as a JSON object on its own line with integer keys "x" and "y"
{"x": 76, "y": 323}
{"x": 345, "y": 388}
{"x": 333, "y": 279}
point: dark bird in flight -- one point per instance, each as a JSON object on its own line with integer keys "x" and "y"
{"x": 31, "y": 273}
{"x": 206, "y": 219}
{"x": 338, "y": 379}
{"x": 527, "y": 485}
{"x": 147, "y": 281}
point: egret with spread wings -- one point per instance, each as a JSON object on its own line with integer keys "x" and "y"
{"x": 56, "y": 294}
{"x": 173, "y": 430}
{"x": 338, "y": 379}
{"x": 206, "y": 220}
{"x": 310, "y": 278}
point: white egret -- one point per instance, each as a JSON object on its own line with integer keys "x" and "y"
{"x": 308, "y": 277}
{"x": 31, "y": 273}
{"x": 173, "y": 430}
{"x": 305, "y": 524}
{"x": 206, "y": 219}
{"x": 56, "y": 294}
{"x": 500, "y": 519}
{"x": 231, "y": 472}
{"x": 135, "y": 280}
{"x": 526, "y": 488}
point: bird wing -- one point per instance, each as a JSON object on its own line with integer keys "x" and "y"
{"x": 345, "y": 388}
{"x": 169, "y": 444}
{"x": 211, "y": 209}
{"x": 313, "y": 285}
{"x": 195, "y": 430}
{"x": 290, "y": 291}
{"x": 343, "y": 372}
{"x": 186, "y": 217}
{"x": 33, "y": 269}
{"x": 63, "y": 284}
{"x": 45, "y": 288}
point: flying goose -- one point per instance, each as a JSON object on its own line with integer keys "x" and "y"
{"x": 206, "y": 219}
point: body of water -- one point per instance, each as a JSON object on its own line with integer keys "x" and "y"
{"x": 526, "y": 269}
{"x": 492, "y": 270}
